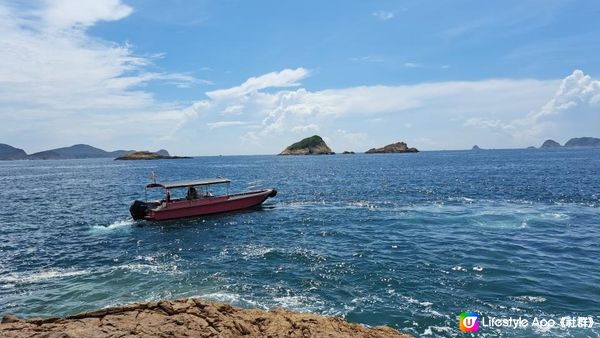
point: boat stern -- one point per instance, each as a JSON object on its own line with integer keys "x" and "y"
{"x": 139, "y": 209}
{"x": 273, "y": 193}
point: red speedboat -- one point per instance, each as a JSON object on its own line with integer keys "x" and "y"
{"x": 198, "y": 201}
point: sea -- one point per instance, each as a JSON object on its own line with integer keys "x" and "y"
{"x": 405, "y": 240}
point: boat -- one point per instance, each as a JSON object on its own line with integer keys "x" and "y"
{"x": 198, "y": 201}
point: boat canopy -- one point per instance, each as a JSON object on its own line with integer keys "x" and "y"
{"x": 182, "y": 184}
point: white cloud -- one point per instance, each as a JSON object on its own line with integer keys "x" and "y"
{"x": 384, "y": 15}
{"x": 64, "y": 14}
{"x": 223, "y": 124}
{"x": 578, "y": 95}
{"x": 284, "y": 78}
{"x": 305, "y": 128}
{"x": 56, "y": 79}
{"x": 412, "y": 65}
{"x": 283, "y": 112}
{"x": 374, "y": 59}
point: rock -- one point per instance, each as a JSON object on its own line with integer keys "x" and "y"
{"x": 8, "y": 318}
{"x": 476, "y": 147}
{"x": 8, "y": 152}
{"x": 530, "y": 147}
{"x": 348, "y": 152}
{"x": 191, "y": 318}
{"x": 590, "y": 142}
{"x": 550, "y": 144}
{"x": 147, "y": 155}
{"x": 399, "y": 147}
{"x": 313, "y": 145}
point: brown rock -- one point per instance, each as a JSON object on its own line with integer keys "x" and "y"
{"x": 8, "y": 318}
{"x": 190, "y": 318}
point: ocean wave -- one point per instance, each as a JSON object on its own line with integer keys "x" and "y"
{"x": 144, "y": 268}
{"x": 529, "y": 299}
{"x": 253, "y": 251}
{"x": 20, "y": 278}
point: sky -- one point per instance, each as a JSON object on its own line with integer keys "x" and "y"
{"x": 212, "y": 77}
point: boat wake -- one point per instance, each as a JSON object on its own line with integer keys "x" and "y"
{"x": 116, "y": 225}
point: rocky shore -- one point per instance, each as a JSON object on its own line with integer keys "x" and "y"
{"x": 190, "y": 318}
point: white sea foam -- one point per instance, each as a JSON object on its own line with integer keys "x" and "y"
{"x": 555, "y": 215}
{"x": 40, "y": 276}
{"x": 150, "y": 268}
{"x": 415, "y": 301}
{"x": 223, "y": 297}
{"x": 477, "y": 268}
{"x": 429, "y": 331}
{"x": 530, "y": 299}
{"x": 251, "y": 251}
{"x": 458, "y": 268}
{"x": 116, "y": 225}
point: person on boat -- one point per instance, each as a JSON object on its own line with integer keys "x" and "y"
{"x": 168, "y": 197}
{"x": 192, "y": 194}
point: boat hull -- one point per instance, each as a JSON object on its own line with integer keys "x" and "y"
{"x": 205, "y": 206}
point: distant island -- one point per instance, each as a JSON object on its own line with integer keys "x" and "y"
{"x": 399, "y": 147}
{"x": 148, "y": 155}
{"x": 77, "y": 151}
{"x": 313, "y": 145}
{"x": 577, "y": 142}
{"x": 476, "y": 147}
{"x": 11, "y": 153}
{"x": 550, "y": 144}
{"x": 346, "y": 152}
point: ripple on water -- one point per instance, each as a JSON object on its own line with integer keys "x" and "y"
{"x": 405, "y": 241}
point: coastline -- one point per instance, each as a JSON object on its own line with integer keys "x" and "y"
{"x": 190, "y": 317}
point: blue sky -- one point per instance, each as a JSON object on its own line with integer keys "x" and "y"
{"x": 250, "y": 77}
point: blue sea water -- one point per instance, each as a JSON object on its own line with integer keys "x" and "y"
{"x": 405, "y": 240}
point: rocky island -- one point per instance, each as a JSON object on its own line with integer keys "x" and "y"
{"x": 550, "y": 144}
{"x": 399, "y": 147}
{"x": 576, "y": 142}
{"x": 313, "y": 145}
{"x": 190, "y": 318}
{"x": 149, "y": 155}
{"x": 590, "y": 142}
{"x": 8, "y": 152}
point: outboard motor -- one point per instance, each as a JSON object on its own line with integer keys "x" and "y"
{"x": 139, "y": 209}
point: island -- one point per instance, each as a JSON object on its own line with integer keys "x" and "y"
{"x": 313, "y": 145}
{"x": 149, "y": 155}
{"x": 576, "y": 142}
{"x": 82, "y": 151}
{"x": 8, "y": 152}
{"x": 398, "y": 147}
{"x": 476, "y": 147}
{"x": 346, "y": 152}
{"x": 550, "y": 144}
{"x": 587, "y": 142}
{"x": 77, "y": 151}
{"x": 191, "y": 317}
